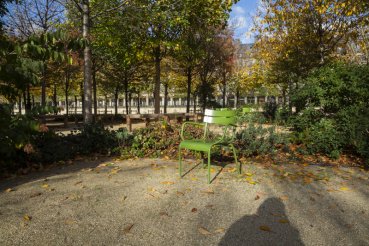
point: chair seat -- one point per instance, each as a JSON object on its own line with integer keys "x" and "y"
{"x": 198, "y": 145}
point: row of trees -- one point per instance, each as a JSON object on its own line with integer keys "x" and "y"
{"x": 123, "y": 46}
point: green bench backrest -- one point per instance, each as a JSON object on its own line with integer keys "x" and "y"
{"x": 220, "y": 117}
{"x": 246, "y": 110}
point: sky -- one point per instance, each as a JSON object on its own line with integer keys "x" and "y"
{"x": 241, "y": 19}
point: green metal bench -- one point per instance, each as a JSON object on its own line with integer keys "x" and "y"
{"x": 225, "y": 119}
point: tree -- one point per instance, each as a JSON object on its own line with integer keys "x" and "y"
{"x": 32, "y": 18}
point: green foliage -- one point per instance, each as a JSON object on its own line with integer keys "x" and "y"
{"x": 335, "y": 100}
{"x": 323, "y": 137}
{"x": 158, "y": 139}
{"x": 270, "y": 109}
{"x": 23, "y": 140}
{"x": 256, "y": 138}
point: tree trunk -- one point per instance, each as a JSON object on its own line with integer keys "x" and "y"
{"x": 66, "y": 92}
{"x": 126, "y": 93}
{"x": 165, "y": 98}
{"x": 43, "y": 87}
{"x": 25, "y": 101}
{"x": 236, "y": 98}
{"x": 116, "y": 101}
{"x": 94, "y": 91}
{"x": 28, "y": 104}
{"x": 20, "y": 105}
{"x": 189, "y": 83}
{"x": 129, "y": 100}
{"x": 157, "y": 55}
{"x": 87, "y": 97}
{"x": 106, "y": 104}
{"x": 224, "y": 91}
{"x": 138, "y": 102}
{"x": 82, "y": 99}
{"x": 75, "y": 104}
{"x": 194, "y": 103}
{"x": 55, "y": 99}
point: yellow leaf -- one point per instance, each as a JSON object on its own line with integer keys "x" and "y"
{"x": 248, "y": 174}
{"x": 344, "y": 188}
{"x": 220, "y": 230}
{"x": 265, "y": 228}
{"x": 45, "y": 186}
{"x": 167, "y": 182}
{"x": 232, "y": 170}
{"x": 252, "y": 182}
{"x": 284, "y": 198}
{"x": 283, "y": 221}
{"x": 204, "y": 231}
{"x": 9, "y": 190}
{"x": 26, "y": 217}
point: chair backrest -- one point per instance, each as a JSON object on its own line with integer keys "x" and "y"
{"x": 246, "y": 110}
{"x": 220, "y": 117}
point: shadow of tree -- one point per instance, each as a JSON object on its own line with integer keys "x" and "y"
{"x": 254, "y": 229}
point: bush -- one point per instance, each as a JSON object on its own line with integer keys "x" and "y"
{"x": 270, "y": 109}
{"x": 157, "y": 139}
{"x": 258, "y": 139}
{"x": 335, "y": 100}
{"x": 323, "y": 137}
{"x": 24, "y": 141}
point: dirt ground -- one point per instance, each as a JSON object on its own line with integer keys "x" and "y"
{"x": 104, "y": 201}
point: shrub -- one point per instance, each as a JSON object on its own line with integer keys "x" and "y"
{"x": 258, "y": 139}
{"x": 323, "y": 137}
{"x": 270, "y": 109}
{"x": 334, "y": 96}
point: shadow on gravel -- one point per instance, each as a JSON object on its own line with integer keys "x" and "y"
{"x": 269, "y": 226}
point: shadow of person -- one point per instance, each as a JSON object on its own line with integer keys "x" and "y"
{"x": 269, "y": 226}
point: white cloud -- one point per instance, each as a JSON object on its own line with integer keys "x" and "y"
{"x": 238, "y": 22}
{"x": 238, "y": 10}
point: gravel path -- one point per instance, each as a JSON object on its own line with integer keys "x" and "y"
{"x": 143, "y": 202}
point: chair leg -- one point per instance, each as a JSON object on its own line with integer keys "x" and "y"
{"x": 209, "y": 167}
{"x": 180, "y": 162}
{"x": 235, "y": 159}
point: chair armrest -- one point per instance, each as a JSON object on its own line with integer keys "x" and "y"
{"x": 192, "y": 123}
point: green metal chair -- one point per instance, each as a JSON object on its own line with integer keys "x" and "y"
{"x": 223, "y": 118}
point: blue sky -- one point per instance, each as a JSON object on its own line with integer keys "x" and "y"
{"x": 241, "y": 19}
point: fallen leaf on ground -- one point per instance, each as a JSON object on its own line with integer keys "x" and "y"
{"x": 79, "y": 182}
{"x": 194, "y": 210}
{"x": 167, "y": 182}
{"x": 115, "y": 170}
{"x": 210, "y": 192}
{"x": 257, "y": 197}
{"x": 128, "y": 228}
{"x": 265, "y": 228}
{"x": 344, "y": 188}
{"x": 209, "y": 206}
{"x": 70, "y": 222}
{"x": 35, "y": 194}
{"x": 9, "y": 190}
{"x": 26, "y": 217}
{"x": 284, "y": 198}
{"x": 204, "y": 231}
{"x": 164, "y": 214}
{"x": 151, "y": 189}
{"x": 283, "y": 221}
{"x": 179, "y": 193}
{"x": 45, "y": 186}
{"x": 232, "y": 170}
{"x": 248, "y": 174}
{"x": 220, "y": 230}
